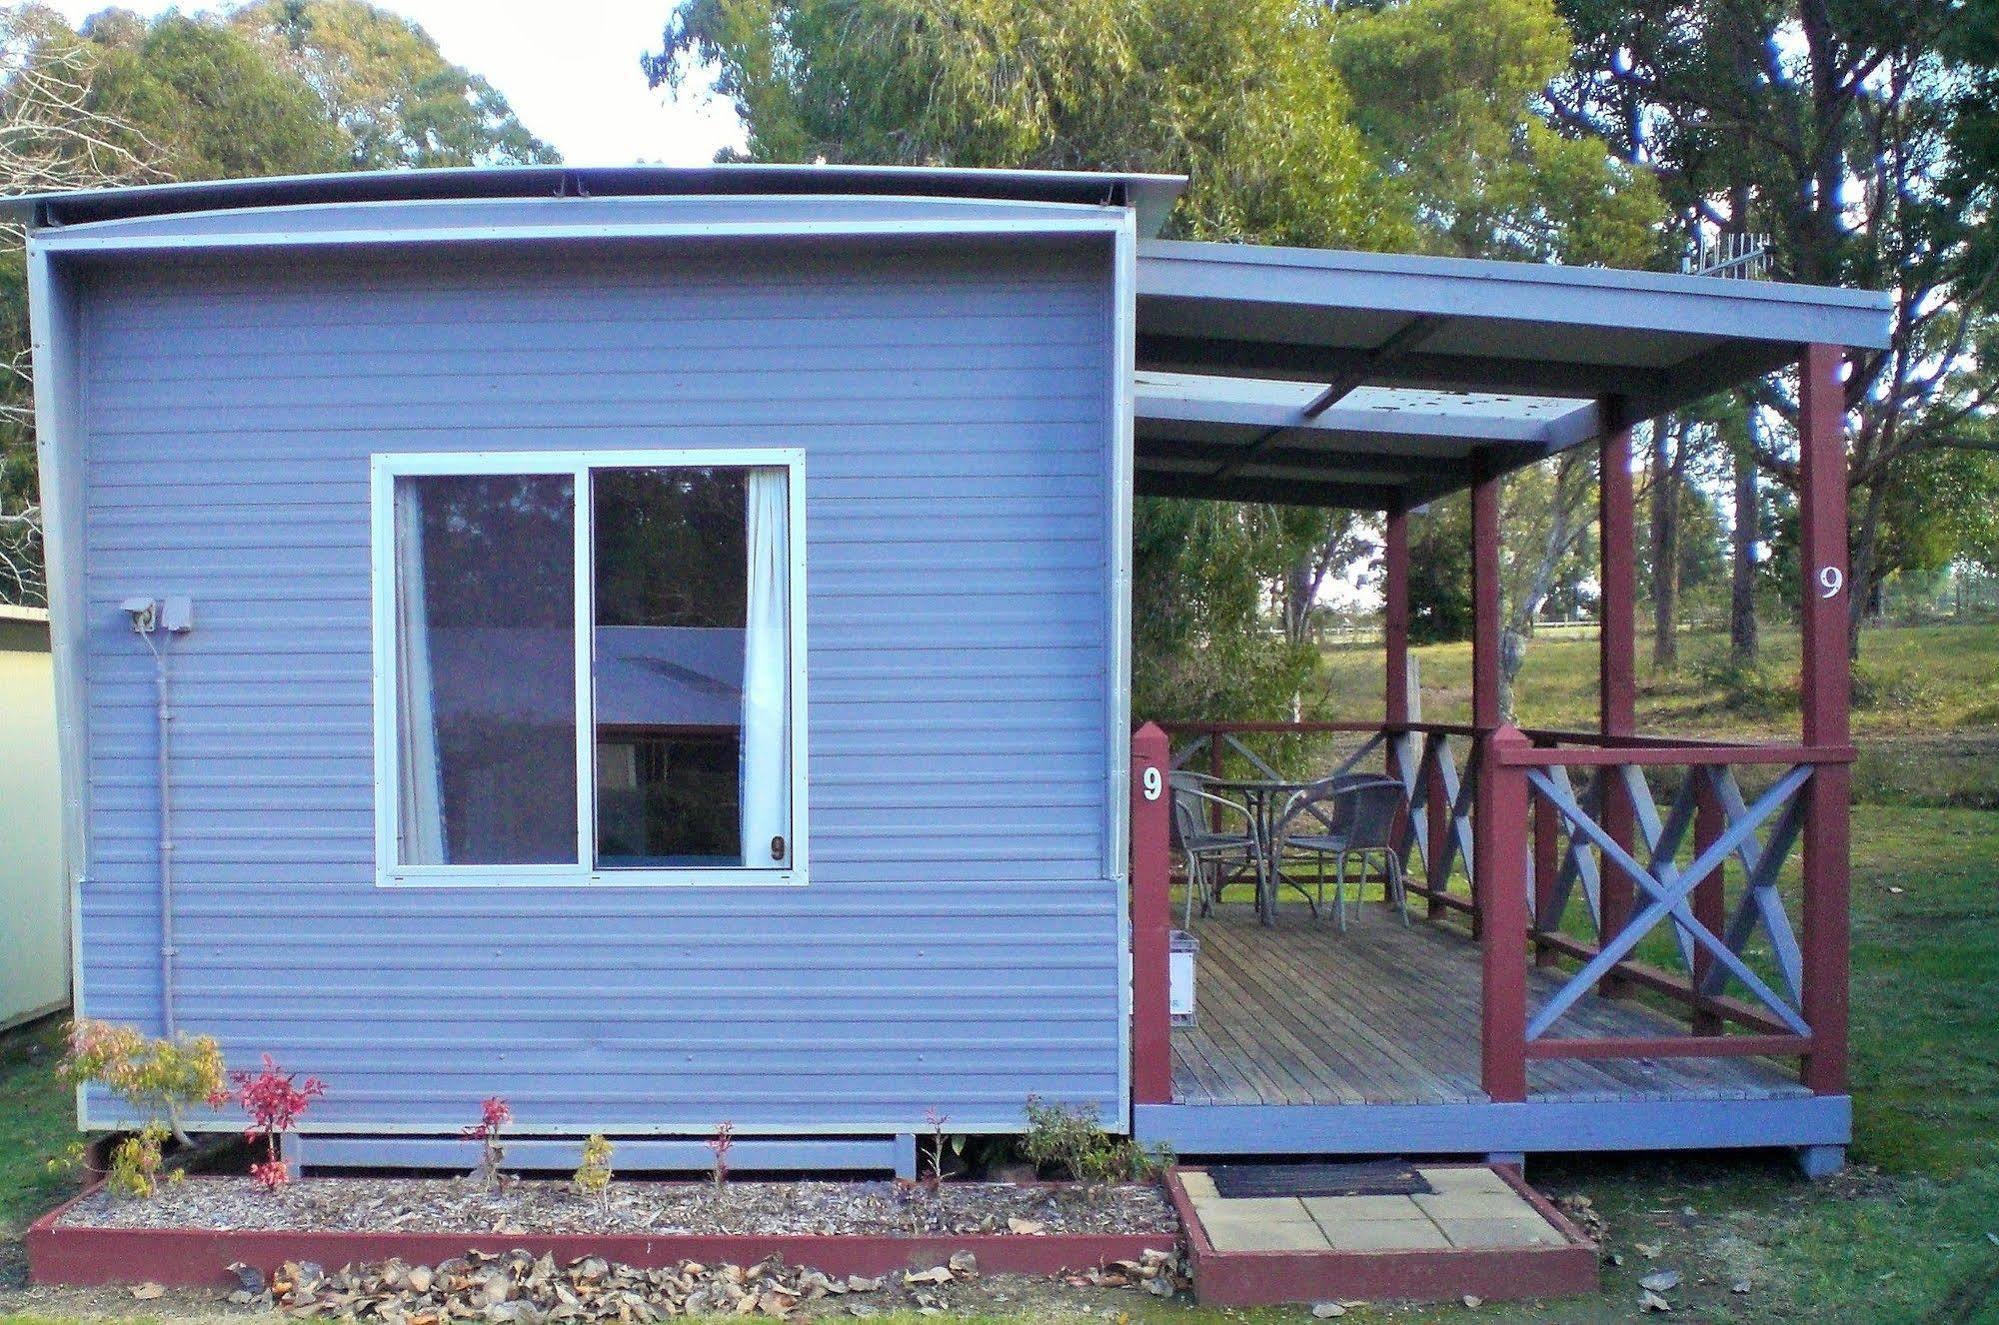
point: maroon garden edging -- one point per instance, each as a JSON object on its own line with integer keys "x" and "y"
{"x": 198, "y": 1257}
{"x": 1267, "y": 1278}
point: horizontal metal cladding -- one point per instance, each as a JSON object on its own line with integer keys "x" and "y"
{"x": 957, "y": 946}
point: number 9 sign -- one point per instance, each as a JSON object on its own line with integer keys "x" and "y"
{"x": 1153, "y": 782}
{"x": 1831, "y": 580}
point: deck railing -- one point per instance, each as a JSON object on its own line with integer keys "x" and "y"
{"x": 1573, "y": 850}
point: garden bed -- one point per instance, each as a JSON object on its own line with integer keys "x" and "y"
{"x": 189, "y": 1232}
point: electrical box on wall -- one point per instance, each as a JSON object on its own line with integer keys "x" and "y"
{"x": 177, "y": 614}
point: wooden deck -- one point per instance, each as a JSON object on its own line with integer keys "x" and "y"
{"x": 1301, "y": 1014}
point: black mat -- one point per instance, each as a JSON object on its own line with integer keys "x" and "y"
{"x": 1371, "y": 1177}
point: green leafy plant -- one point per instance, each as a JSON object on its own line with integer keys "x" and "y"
{"x": 1071, "y": 1140}
{"x": 593, "y": 1176}
{"x": 160, "y": 1078}
{"x": 136, "y": 1161}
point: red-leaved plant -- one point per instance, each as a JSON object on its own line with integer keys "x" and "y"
{"x": 721, "y": 1143}
{"x": 493, "y": 1115}
{"x": 274, "y": 1099}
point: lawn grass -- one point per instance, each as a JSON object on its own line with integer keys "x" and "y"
{"x": 1907, "y": 678}
{"x": 37, "y": 1123}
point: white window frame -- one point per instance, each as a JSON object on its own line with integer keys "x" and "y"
{"x": 384, "y": 470}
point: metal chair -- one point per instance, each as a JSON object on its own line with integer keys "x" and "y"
{"x": 1360, "y": 824}
{"x": 1202, "y": 846}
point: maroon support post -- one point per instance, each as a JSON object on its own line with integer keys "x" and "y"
{"x": 1395, "y": 617}
{"x": 1547, "y": 869}
{"x": 1825, "y": 687}
{"x": 1437, "y": 807}
{"x": 1151, "y": 919}
{"x": 1710, "y": 906}
{"x": 1486, "y": 627}
{"x": 1502, "y": 871}
{"x": 1617, "y": 661}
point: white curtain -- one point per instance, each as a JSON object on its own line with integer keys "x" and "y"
{"x": 766, "y": 761}
{"x": 420, "y": 810}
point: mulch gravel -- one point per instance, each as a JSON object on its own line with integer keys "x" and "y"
{"x": 458, "y": 1205}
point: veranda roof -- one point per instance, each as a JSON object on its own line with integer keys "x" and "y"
{"x": 1321, "y": 377}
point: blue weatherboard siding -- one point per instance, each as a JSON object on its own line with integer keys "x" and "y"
{"x": 958, "y": 944}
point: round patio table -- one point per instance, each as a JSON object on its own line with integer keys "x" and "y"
{"x": 1263, "y": 798}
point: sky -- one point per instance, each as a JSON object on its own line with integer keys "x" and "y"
{"x": 571, "y": 71}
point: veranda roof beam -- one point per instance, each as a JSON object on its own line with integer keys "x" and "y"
{"x": 1166, "y": 352}
{"x": 1407, "y": 338}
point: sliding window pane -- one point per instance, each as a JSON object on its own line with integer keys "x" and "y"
{"x": 671, "y": 597}
{"x": 486, "y": 669}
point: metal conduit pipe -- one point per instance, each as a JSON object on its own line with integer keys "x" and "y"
{"x": 164, "y": 717}
{"x": 178, "y": 617}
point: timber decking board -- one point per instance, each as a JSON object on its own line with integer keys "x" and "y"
{"x": 1301, "y": 1014}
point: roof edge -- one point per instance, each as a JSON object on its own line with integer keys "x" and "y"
{"x": 1150, "y": 196}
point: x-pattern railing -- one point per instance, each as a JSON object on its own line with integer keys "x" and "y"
{"x": 1438, "y": 827}
{"x": 1668, "y": 887}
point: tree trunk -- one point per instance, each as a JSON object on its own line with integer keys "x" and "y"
{"x": 1743, "y": 644}
{"x": 1563, "y": 530}
{"x": 1666, "y": 465}
{"x": 1861, "y": 573}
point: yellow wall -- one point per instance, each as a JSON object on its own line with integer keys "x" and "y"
{"x": 34, "y": 911}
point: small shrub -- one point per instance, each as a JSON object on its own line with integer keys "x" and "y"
{"x": 275, "y": 1100}
{"x": 721, "y": 1143}
{"x": 593, "y": 1176}
{"x": 1072, "y": 1141}
{"x": 494, "y": 1114}
{"x": 1751, "y": 692}
{"x": 1879, "y": 688}
{"x": 935, "y": 1121}
{"x": 136, "y": 1161}
{"x": 161, "y": 1079}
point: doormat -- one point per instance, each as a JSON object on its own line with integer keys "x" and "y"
{"x": 1371, "y": 1177}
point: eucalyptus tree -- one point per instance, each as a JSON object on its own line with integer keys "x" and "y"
{"x": 278, "y": 88}
{"x": 1408, "y": 127}
{"x": 1846, "y": 130}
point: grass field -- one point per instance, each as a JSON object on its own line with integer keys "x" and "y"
{"x": 1925, "y": 701}
{"x": 1909, "y": 1233}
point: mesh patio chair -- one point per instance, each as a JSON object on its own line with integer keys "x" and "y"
{"x": 1207, "y": 850}
{"x": 1360, "y": 824}
{"x": 1328, "y": 810}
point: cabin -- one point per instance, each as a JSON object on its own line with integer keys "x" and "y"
{"x": 34, "y": 914}
{"x": 654, "y": 644}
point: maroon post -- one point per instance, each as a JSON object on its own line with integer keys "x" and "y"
{"x": 1825, "y": 686}
{"x": 1485, "y": 634}
{"x": 1617, "y": 661}
{"x": 1710, "y": 907}
{"x": 1502, "y": 871}
{"x": 1547, "y": 867}
{"x": 1151, "y": 919}
{"x": 1438, "y": 809}
{"x": 1395, "y": 616}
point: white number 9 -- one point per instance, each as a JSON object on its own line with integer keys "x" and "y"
{"x": 1831, "y": 580}
{"x": 1153, "y": 783}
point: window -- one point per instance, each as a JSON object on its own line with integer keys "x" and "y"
{"x": 589, "y": 668}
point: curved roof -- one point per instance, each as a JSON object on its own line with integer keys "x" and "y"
{"x": 1151, "y": 196}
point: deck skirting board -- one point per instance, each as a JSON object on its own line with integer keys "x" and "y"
{"x": 1536, "y": 1127}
